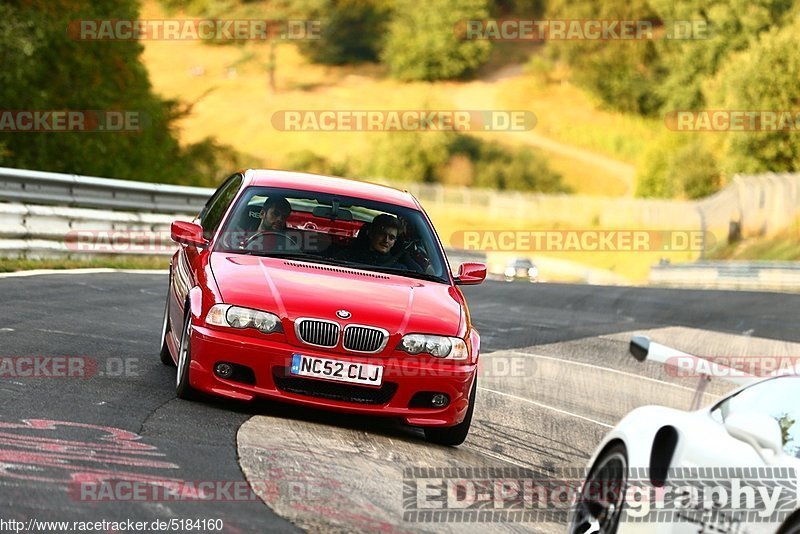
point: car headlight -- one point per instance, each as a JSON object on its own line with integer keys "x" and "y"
{"x": 533, "y": 272}
{"x": 510, "y": 271}
{"x": 240, "y": 318}
{"x": 452, "y": 348}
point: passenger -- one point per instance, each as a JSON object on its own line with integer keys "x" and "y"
{"x": 381, "y": 238}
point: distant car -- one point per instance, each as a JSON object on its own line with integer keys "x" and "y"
{"x": 287, "y": 313}
{"x": 685, "y": 467}
{"x": 521, "y": 269}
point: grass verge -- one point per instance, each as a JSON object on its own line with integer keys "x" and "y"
{"x": 105, "y": 262}
{"x": 784, "y": 246}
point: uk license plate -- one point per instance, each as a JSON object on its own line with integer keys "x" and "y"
{"x": 352, "y": 372}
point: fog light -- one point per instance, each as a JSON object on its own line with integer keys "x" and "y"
{"x": 223, "y": 370}
{"x": 439, "y": 400}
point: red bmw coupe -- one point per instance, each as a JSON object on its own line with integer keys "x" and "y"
{"x": 325, "y": 292}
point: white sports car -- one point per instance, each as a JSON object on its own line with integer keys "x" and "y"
{"x": 731, "y": 467}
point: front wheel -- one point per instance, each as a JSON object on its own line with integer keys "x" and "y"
{"x": 600, "y": 501}
{"x": 454, "y": 435}
{"x": 792, "y": 525}
{"x": 183, "y": 387}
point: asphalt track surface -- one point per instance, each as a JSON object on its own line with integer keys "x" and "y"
{"x": 556, "y": 375}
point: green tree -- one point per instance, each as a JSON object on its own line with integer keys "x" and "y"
{"x": 624, "y": 74}
{"x": 310, "y": 161}
{"x": 423, "y": 41}
{"x": 408, "y": 157}
{"x": 432, "y": 157}
{"x": 732, "y": 26}
{"x": 351, "y": 31}
{"x": 45, "y": 69}
{"x": 678, "y": 164}
{"x": 764, "y": 77}
{"x": 520, "y": 169}
{"x": 786, "y": 422}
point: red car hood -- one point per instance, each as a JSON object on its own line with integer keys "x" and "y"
{"x": 295, "y": 289}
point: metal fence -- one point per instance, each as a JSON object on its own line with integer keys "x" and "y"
{"x": 740, "y": 275}
{"x": 755, "y": 205}
{"x": 39, "y": 211}
{"x": 49, "y": 188}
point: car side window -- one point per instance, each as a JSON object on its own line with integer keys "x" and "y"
{"x": 777, "y": 398}
{"x": 212, "y": 214}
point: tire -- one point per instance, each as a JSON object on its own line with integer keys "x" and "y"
{"x": 609, "y": 472}
{"x": 454, "y": 435}
{"x": 792, "y": 525}
{"x": 183, "y": 387}
{"x": 166, "y": 357}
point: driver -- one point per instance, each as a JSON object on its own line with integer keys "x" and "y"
{"x": 274, "y": 214}
{"x": 271, "y": 233}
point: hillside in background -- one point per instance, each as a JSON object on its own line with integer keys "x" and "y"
{"x": 604, "y": 108}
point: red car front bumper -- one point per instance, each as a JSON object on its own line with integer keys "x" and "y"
{"x": 406, "y": 379}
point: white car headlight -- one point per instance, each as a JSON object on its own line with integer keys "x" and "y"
{"x": 240, "y": 318}
{"x": 452, "y": 348}
{"x": 510, "y": 271}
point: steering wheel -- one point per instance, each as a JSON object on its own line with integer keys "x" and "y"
{"x": 412, "y": 245}
{"x": 286, "y": 236}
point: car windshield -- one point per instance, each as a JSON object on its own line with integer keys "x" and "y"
{"x": 330, "y": 229}
{"x": 776, "y": 398}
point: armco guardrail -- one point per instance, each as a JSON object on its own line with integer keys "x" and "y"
{"x": 756, "y": 205}
{"x": 36, "y": 187}
{"x": 747, "y": 275}
{"x": 56, "y": 232}
{"x": 32, "y": 231}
